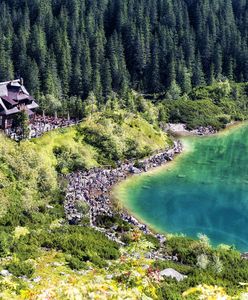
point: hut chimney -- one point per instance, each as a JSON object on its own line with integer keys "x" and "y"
{"x": 21, "y": 81}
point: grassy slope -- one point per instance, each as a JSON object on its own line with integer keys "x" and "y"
{"x": 63, "y": 137}
{"x": 25, "y": 167}
{"x": 25, "y": 181}
{"x": 132, "y": 127}
{"x": 29, "y": 181}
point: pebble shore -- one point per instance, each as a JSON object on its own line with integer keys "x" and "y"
{"x": 181, "y": 129}
{"x": 94, "y": 186}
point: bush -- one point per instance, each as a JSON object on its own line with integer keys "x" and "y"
{"x": 152, "y": 239}
{"x": 82, "y": 243}
{"x": 75, "y": 263}
{"x": 26, "y": 250}
{"x": 185, "y": 248}
{"x": 194, "y": 113}
{"x": 108, "y": 222}
{"x": 214, "y": 105}
{"x": 127, "y": 238}
{"x": 4, "y": 244}
{"x": 105, "y": 143}
{"x": 68, "y": 160}
{"x": 19, "y": 268}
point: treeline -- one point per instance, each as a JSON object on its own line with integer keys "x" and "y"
{"x": 71, "y": 47}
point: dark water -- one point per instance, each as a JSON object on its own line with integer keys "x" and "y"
{"x": 204, "y": 191}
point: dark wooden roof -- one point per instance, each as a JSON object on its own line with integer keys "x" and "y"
{"x": 9, "y": 100}
{"x": 13, "y": 93}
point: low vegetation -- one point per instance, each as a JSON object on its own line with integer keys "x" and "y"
{"x": 214, "y": 105}
{"x": 48, "y": 259}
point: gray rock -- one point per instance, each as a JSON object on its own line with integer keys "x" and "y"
{"x": 5, "y": 273}
{"x": 173, "y": 274}
{"x": 57, "y": 264}
{"x": 135, "y": 170}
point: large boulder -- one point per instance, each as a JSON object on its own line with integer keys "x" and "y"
{"x": 173, "y": 274}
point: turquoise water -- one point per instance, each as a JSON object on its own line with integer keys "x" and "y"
{"x": 204, "y": 191}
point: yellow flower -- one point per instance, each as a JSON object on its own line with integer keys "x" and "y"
{"x": 20, "y": 231}
{"x": 208, "y": 293}
{"x": 73, "y": 293}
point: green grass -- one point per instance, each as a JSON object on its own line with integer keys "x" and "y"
{"x": 28, "y": 175}
{"x": 120, "y": 126}
{"x": 29, "y": 181}
{"x": 63, "y": 137}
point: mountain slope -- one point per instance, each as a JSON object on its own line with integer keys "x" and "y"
{"x": 73, "y": 47}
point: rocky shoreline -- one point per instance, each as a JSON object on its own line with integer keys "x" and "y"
{"x": 181, "y": 129}
{"x": 94, "y": 187}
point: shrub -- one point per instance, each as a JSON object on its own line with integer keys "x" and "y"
{"x": 82, "y": 243}
{"x": 75, "y": 263}
{"x": 25, "y": 251}
{"x": 203, "y": 261}
{"x": 108, "y": 222}
{"x": 153, "y": 240}
{"x": 68, "y": 160}
{"x": 127, "y": 238}
{"x": 4, "y": 244}
{"x": 105, "y": 143}
{"x": 182, "y": 247}
{"x": 18, "y": 268}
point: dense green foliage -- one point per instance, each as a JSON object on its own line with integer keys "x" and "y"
{"x": 33, "y": 225}
{"x": 69, "y": 48}
{"x": 25, "y": 183}
{"x": 80, "y": 244}
{"x": 113, "y": 222}
{"x": 77, "y": 243}
{"x": 214, "y": 105}
{"x": 32, "y": 192}
{"x": 222, "y": 266}
{"x": 83, "y": 57}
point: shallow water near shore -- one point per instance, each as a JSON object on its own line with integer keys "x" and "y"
{"x": 205, "y": 190}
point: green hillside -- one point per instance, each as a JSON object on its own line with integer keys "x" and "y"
{"x": 48, "y": 258}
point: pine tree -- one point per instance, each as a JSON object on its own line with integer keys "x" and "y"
{"x": 197, "y": 72}
{"x": 73, "y": 46}
{"x": 32, "y": 78}
{"x": 86, "y": 69}
{"x": 218, "y": 61}
{"x": 106, "y": 78}
{"x": 154, "y": 76}
{"x": 76, "y": 86}
{"x": 52, "y": 84}
{"x": 97, "y": 85}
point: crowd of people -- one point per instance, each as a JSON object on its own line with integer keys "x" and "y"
{"x": 42, "y": 124}
{"x": 94, "y": 186}
{"x": 39, "y": 125}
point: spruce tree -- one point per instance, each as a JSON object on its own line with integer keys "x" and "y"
{"x": 73, "y": 46}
